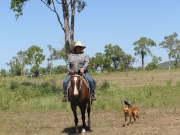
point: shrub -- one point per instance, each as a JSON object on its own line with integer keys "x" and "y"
{"x": 168, "y": 82}
{"x": 14, "y": 85}
{"x": 27, "y": 84}
{"x": 105, "y": 85}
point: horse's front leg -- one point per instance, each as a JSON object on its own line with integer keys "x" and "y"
{"x": 73, "y": 107}
{"x": 83, "y": 111}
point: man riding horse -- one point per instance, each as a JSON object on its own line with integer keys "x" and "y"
{"x": 78, "y": 61}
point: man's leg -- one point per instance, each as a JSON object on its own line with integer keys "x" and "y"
{"x": 92, "y": 86}
{"x": 65, "y": 85}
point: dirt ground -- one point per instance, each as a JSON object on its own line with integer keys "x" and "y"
{"x": 151, "y": 122}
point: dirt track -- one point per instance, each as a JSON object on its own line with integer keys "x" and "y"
{"x": 151, "y": 122}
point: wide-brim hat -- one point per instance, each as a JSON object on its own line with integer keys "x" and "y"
{"x": 78, "y": 43}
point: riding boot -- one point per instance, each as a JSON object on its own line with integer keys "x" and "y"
{"x": 93, "y": 97}
{"x": 65, "y": 98}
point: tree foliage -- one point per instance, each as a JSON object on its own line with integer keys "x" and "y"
{"x": 91, "y": 66}
{"x": 59, "y": 69}
{"x": 3, "y": 73}
{"x": 35, "y": 58}
{"x": 172, "y": 46}
{"x": 115, "y": 53}
{"x": 127, "y": 62}
{"x": 99, "y": 61}
{"x": 54, "y": 55}
{"x": 113, "y": 59}
{"x": 62, "y": 54}
{"x": 142, "y": 48}
{"x": 15, "y": 68}
{"x": 21, "y": 58}
{"x": 153, "y": 65}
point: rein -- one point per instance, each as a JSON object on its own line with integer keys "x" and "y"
{"x": 82, "y": 78}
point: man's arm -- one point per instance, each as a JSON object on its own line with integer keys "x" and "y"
{"x": 86, "y": 62}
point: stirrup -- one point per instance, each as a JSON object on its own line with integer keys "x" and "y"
{"x": 64, "y": 99}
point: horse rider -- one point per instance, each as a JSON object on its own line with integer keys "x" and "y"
{"x": 78, "y": 61}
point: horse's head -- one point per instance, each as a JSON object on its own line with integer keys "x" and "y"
{"x": 76, "y": 83}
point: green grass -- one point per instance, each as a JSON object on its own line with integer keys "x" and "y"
{"x": 24, "y": 94}
{"x": 150, "y": 96}
{"x": 110, "y": 98}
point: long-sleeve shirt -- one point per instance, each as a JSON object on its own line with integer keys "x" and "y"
{"x": 77, "y": 61}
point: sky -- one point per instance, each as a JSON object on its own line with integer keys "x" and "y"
{"x": 102, "y": 22}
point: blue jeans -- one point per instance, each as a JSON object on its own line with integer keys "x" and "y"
{"x": 90, "y": 80}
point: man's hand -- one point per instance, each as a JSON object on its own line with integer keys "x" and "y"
{"x": 82, "y": 70}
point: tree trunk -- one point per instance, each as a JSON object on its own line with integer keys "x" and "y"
{"x": 73, "y": 7}
{"x": 142, "y": 62}
{"x": 66, "y": 26}
{"x": 169, "y": 64}
{"x": 69, "y": 30}
{"x": 176, "y": 63}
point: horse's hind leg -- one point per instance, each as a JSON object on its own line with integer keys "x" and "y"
{"x": 75, "y": 117}
{"x": 89, "y": 111}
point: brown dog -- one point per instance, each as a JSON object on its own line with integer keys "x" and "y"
{"x": 131, "y": 111}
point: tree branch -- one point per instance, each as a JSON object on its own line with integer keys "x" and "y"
{"x": 54, "y": 10}
{"x": 59, "y": 19}
{"x": 58, "y": 2}
{"x": 47, "y": 5}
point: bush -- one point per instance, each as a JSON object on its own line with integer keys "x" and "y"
{"x": 14, "y": 85}
{"x": 105, "y": 85}
{"x": 27, "y": 84}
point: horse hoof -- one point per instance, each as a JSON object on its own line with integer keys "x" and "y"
{"x": 83, "y": 131}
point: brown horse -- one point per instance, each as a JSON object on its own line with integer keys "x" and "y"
{"x": 79, "y": 95}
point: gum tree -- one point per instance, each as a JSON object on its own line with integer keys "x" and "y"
{"x": 172, "y": 46}
{"x": 54, "y": 55}
{"x": 142, "y": 48}
{"x": 128, "y": 60}
{"x": 115, "y": 53}
{"x": 64, "y": 8}
{"x": 35, "y": 57}
{"x": 17, "y": 64}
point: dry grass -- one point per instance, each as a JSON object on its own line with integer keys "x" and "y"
{"x": 151, "y": 122}
{"x": 140, "y": 78}
{"x": 130, "y": 79}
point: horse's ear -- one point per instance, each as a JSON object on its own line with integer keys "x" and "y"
{"x": 71, "y": 72}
